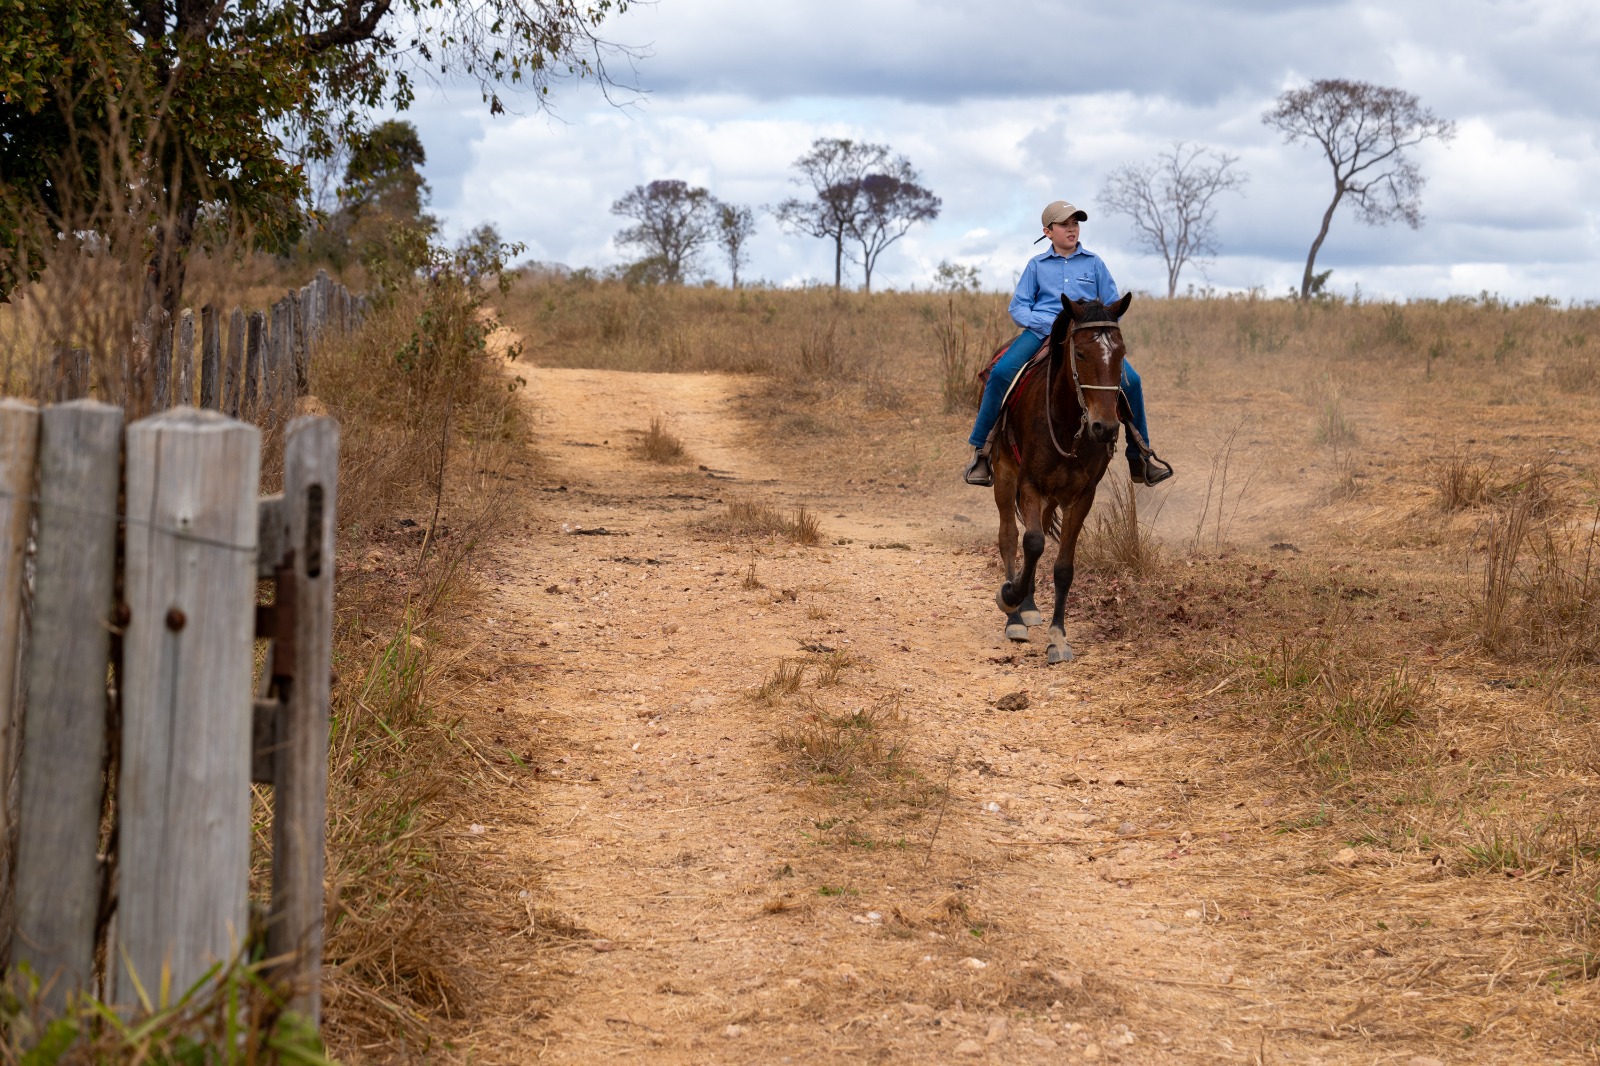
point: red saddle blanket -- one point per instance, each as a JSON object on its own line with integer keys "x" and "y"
{"x": 1022, "y": 377}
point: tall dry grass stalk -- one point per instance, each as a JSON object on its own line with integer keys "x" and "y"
{"x": 1113, "y": 539}
{"x": 1504, "y": 534}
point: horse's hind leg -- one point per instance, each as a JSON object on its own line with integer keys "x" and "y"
{"x": 1005, "y": 500}
{"x": 1071, "y": 524}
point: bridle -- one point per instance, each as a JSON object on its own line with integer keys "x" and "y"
{"x": 1078, "y": 387}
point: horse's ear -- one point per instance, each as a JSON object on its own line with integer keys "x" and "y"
{"x": 1120, "y": 308}
{"x": 1073, "y": 308}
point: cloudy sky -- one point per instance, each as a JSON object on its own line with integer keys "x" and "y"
{"x": 1005, "y": 106}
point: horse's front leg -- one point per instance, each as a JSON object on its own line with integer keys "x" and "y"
{"x": 1072, "y": 520}
{"x": 1017, "y": 591}
{"x": 1029, "y": 612}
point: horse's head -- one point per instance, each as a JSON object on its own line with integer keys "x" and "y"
{"x": 1087, "y": 335}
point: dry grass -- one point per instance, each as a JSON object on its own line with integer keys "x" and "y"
{"x": 750, "y": 517}
{"x": 844, "y": 747}
{"x": 424, "y": 437}
{"x": 784, "y": 681}
{"x": 1463, "y": 482}
{"x": 660, "y": 445}
{"x": 1113, "y": 537}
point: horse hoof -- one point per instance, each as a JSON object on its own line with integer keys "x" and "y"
{"x": 1000, "y": 602}
{"x": 1059, "y": 653}
{"x": 1018, "y": 632}
{"x": 1030, "y": 612}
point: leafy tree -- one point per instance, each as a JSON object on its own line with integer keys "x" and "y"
{"x": 735, "y": 226}
{"x": 833, "y": 169}
{"x": 887, "y": 204}
{"x": 956, "y": 277}
{"x": 1169, "y": 202}
{"x": 185, "y": 101}
{"x": 383, "y": 191}
{"x": 1364, "y": 131}
{"x": 673, "y": 220}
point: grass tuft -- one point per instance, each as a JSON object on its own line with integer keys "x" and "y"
{"x": 748, "y": 517}
{"x": 844, "y": 748}
{"x": 785, "y": 680}
{"x": 660, "y": 445}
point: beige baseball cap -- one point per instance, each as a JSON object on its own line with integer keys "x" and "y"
{"x": 1061, "y": 211}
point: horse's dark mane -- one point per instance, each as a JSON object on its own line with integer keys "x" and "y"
{"x": 1093, "y": 311}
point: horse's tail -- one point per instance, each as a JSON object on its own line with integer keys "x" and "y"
{"x": 1052, "y": 528}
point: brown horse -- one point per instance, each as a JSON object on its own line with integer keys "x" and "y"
{"x": 1039, "y": 469}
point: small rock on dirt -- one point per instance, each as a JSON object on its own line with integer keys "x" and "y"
{"x": 1012, "y": 701}
{"x": 999, "y": 1029}
{"x": 1090, "y": 1052}
{"x": 733, "y": 1032}
{"x": 973, "y": 964}
{"x": 1345, "y": 857}
{"x": 1071, "y": 981}
{"x": 970, "y": 1048}
{"x": 1127, "y": 829}
{"x": 845, "y": 972}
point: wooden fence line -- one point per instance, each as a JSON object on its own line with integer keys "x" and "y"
{"x": 176, "y": 374}
{"x": 190, "y": 735}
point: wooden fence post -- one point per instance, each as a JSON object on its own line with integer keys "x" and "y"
{"x": 230, "y": 379}
{"x": 304, "y": 336}
{"x": 254, "y": 341}
{"x": 58, "y": 875}
{"x": 210, "y": 359}
{"x": 303, "y": 674}
{"x": 185, "y": 369}
{"x": 272, "y": 369}
{"x": 161, "y": 328}
{"x": 184, "y": 799}
{"x": 284, "y": 398}
{"x": 19, "y": 441}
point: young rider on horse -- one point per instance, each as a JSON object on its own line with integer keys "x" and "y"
{"x": 1071, "y": 270}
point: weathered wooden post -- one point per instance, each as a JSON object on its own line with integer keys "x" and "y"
{"x": 58, "y": 875}
{"x": 272, "y": 369}
{"x": 230, "y": 379}
{"x": 185, "y": 370}
{"x": 297, "y": 550}
{"x": 161, "y": 328}
{"x": 69, "y": 374}
{"x": 19, "y": 441}
{"x": 210, "y": 359}
{"x": 184, "y": 799}
{"x": 304, "y": 336}
{"x": 254, "y": 342}
{"x": 283, "y": 398}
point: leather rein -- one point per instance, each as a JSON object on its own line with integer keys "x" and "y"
{"x": 1078, "y": 389}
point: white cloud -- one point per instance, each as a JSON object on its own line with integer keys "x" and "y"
{"x": 1021, "y": 103}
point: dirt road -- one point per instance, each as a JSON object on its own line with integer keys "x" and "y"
{"x": 1014, "y": 863}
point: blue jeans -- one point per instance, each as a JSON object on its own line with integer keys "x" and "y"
{"x": 1015, "y": 358}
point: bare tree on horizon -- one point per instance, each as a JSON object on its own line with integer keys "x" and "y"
{"x": 888, "y": 204}
{"x": 1363, "y": 131}
{"x": 1169, "y": 202}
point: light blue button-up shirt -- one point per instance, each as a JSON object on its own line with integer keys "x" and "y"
{"x": 1049, "y": 276}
